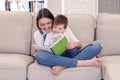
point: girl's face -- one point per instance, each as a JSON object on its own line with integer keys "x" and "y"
{"x": 58, "y": 28}
{"x": 45, "y": 24}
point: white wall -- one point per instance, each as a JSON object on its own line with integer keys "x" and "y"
{"x": 2, "y": 5}
{"x": 80, "y": 6}
{"x": 73, "y": 6}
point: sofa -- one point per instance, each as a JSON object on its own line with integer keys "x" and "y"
{"x": 16, "y": 52}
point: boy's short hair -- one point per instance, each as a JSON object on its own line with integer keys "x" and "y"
{"x": 61, "y": 19}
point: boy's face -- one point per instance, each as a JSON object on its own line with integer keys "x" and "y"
{"x": 58, "y": 28}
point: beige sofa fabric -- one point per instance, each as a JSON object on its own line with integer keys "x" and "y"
{"x": 108, "y": 29}
{"x": 37, "y": 72}
{"x": 111, "y": 67}
{"x": 83, "y": 27}
{"x": 15, "y": 44}
{"x": 82, "y": 73}
{"x": 15, "y": 32}
{"x": 14, "y": 66}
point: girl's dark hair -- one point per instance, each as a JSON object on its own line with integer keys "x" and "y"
{"x": 44, "y": 12}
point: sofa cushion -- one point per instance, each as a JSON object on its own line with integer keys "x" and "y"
{"x": 14, "y": 66}
{"x": 36, "y": 72}
{"x": 111, "y": 67}
{"x": 15, "y": 32}
{"x": 108, "y": 29}
{"x": 82, "y": 73}
{"x": 82, "y": 25}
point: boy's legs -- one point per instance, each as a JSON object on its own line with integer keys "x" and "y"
{"x": 88, "y": 52}
{"x": 71, "y": 52}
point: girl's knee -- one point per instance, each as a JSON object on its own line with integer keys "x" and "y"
{"x": 41, "y": 59}
{"x": 97, "y": 45}
{"x": 40, "y": 56}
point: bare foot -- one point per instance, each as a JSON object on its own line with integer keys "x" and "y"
{"x": 57, "y": 69}
{"x": 95, "y": 62}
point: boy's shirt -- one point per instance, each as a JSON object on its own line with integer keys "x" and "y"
{"x": 52, "y": 38}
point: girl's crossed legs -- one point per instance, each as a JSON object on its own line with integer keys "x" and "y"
{"x": 83, "y": 58}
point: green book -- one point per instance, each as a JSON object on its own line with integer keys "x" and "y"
{"x": 59, "y": 46}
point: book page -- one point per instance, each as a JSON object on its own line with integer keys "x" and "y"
{"x": 42, "y": 48}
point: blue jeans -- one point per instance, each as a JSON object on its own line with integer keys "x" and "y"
{"x": 70, "y": 53}
{"x": 49, "y": 59}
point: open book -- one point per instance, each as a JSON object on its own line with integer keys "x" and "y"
{"x": 42, "y": 48}
{"x": 57, "y": 48}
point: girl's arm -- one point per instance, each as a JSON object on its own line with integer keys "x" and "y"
{"x": 38, "y": 39}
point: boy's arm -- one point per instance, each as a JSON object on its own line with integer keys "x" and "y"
{"x": 73, "y": 44}
{"x": 78, "y": 44}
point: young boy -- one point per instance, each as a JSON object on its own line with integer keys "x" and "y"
{"x": 58, "y": 30}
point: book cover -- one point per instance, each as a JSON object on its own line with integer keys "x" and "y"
{"x": 59, "y": 46}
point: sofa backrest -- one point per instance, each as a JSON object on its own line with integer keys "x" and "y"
{"x": 108, "y": 29}
{"x": 82, "y": 25}
{"x": 15, "y": 32}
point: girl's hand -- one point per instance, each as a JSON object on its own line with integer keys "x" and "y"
{"x": 70, "y": 45}
{"x": 35, "y": 50}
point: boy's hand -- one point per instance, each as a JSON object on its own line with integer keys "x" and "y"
{"x": 70, "y": 45}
